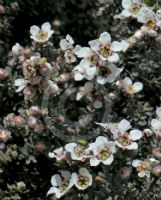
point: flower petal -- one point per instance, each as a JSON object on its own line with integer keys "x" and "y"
{"x": 124, "y": 125}
{"x": 105, "y": 38}
{"x": 135, "y": 135}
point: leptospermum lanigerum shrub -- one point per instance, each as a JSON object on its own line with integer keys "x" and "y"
{"x": 93, "y": 111}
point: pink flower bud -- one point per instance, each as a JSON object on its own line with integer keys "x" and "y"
{"x": 11, "y": 119}
{"x": 32, "y": 121}
{"x": 3, "y": 74}
{"x": 2, "y": 9}
{"x": 28, "y": 93}
{"x": 157, "y": 170}
{"x": 19, "y": 121}
{"x": 148, "y": 132}
{"x": 34, "y": 110}
{"x": 39, "y": 128}
{"x": 63, "y": 78}
{"x": 4, "y": 135}
{"x": 124, "y": 173}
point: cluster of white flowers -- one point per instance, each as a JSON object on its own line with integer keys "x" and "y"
{"x": 102, "y": 150}
{"x": 63, "y": 182}
{"x": 98, "y": 60}
{"x": 144, "y": 14}
{"x": 156, "y": 123}
{"x": 123, "y": 138}
{"x": 146, "y": 167}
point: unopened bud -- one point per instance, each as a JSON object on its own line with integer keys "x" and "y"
{"x": 4, "y": 135}
{"x": 32, "y": 121}
{"x": 3, "y": 74}
{"x": 124, "y": 173}
{"x": 148, "y": 132}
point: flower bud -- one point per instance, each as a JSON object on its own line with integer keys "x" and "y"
{"x": 148, "y": 132}
{"x": 39, "y": 128}
{"x": 34, "y": 110}
{"x": 63, "y": 78}
{"x": 4, "y": 135}
{"x": 21, "y": 186}
{"x": 124, "y": 173}
{"x": 32, "y": 121}
{"x": 157, "y": 170}
{"x": 19, "y": 121}
{"x": 11, "y": 119}
{"x": 3, "y": 74}
{"x": 157, "y": 153}
{"x": 2, "y": 9}
{"x": 28, "y": 93}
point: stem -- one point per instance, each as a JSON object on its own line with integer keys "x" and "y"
{"x": 145, "y": 193}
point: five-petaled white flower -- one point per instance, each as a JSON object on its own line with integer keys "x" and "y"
{"x": 82, "y": 180}
{"x": 60, "y": 184}
{"x": 151, "y": 21}
{"x": 103, "y": 151}
{"x": 66, "y": 45}
{"x": 77, "y": 151}
{"x": 89, "y": 60}
{"x": 132, "y": 88}
{"x": 131, "y": 8}
{"x": 123, "y": 139}
{"x": 143, "y": 168}
{"x": 59, "y": 154}
{"x": 105, "y": 48}
{"x": 41, "y": 35}
{"x": 156, "y": 123}
{"x": 108, "y": 74}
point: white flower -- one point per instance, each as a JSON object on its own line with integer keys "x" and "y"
{"x": 103, "y": 151}
{"x": 21, "y": 84}
{"x": 158, "y": 113}
{"x": 60, "y": 184}
{"x": 17, "y": 49}
{"x": 82, "y": 180}
{"x": 82, "y": 71}
{"x": 41, "y": 35}
{"x": 67, "y": 46}
{"x": 156, "y": 123}
{"x": 132, "y": 88}
{"x": 77, "y": 151}
{"x": 156, "y": 126}
{"x": 105, "y": 49}
{"x": 131, "y": 8}
{"x": 143, "y": 168}
{"x": 123, "y": 139}
{"x": 108, "y": 74}
{"x": 59, "y": 154}
{"x": 151, "y": 21}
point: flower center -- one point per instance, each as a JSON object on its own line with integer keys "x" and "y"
{"x": 42, "y": 35}
{"x": 104, "y": 71}
{"x": 135, "y": 9}
{"x": 104, "y": 154}
{"x": 105, "y": 51}
{"x": 150, "y": 24}
{"x": 130, "y": 88}
{"x": 123, "y": 139}
{"x": 79, "y": 151}
{"x": 83, "y": 181}
{"x": 93, "y": 59}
